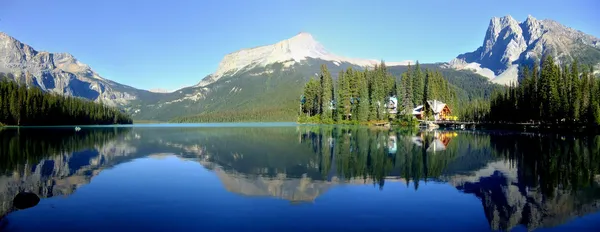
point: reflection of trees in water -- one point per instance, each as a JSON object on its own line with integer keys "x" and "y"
{"x": 49, "y": 162}
{"x": 545, "y": 161}
{"x": 27, "y": 145}
{"x": 533, "y": 180}
{"x": 359, "y": 152}
{"x": 552, "y": 162}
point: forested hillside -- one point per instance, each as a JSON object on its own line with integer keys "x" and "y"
{"x": 554, "y": 94}
{"x": 23, "y": 106}
{"x": 272, "y": 93}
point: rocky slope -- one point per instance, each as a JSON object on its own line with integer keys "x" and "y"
{"x": 509, "y": 43}
{"x": 60, "y": 73}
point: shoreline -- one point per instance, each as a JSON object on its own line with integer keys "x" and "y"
{"x": 530, "y": 127}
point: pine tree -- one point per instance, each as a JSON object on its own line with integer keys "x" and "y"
{"x": 417, "y": 85}
{"x": 340, "y": 97}
{"x": 585, "y": 95}
{"x": 373, "y": 88}
{"x": 575, "y": 91}
{"x": 326, "y": 94}
{"x": 311, "y": 101}
{"x": 426, "y": 108}
{"x": 363, "y": 104}
{"x": 407, "y": 92}
{"x": 346, "y": 94}
{"x": 535, "y": 93}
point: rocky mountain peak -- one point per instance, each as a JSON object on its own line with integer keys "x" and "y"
{"x": 60, "y": 73}
{"x": 508, "y": 43}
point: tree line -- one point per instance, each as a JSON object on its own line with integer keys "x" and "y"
{"x": 23, "y": 106}
{"x": 362, "y": 96}
{"x": 553, "y": 95}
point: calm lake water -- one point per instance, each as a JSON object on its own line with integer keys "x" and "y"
{"x": 284, "y": 177}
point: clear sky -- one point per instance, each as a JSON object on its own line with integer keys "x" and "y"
{"x": 170, "y": 44}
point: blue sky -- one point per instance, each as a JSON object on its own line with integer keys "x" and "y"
{"x": 170, "y": 44}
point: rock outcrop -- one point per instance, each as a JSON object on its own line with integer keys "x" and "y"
{"x": 508, "y": 44}
{"x": 60, "y": 73}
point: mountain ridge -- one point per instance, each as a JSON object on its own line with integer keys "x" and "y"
{"x": 270, "y": 77}
{"x": 60, "y": 73}
{"x": 288, "y": 51}
{"x": 509, "y": 43}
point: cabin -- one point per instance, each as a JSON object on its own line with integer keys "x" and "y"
{"x": 392, "y": 105}
{"x": 441, "y": 111}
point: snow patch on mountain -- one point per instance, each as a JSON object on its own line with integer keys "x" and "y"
{"x": 508, "y": 77}
{"x": 288, "y": 52}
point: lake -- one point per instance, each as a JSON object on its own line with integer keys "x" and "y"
{"x": 288, "y": 177}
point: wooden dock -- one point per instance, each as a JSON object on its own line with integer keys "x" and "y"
{"x": 455, "y": 124}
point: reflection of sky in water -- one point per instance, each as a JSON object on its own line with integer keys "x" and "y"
{"x": 283, "y": 178}
{"x": 174, "y": 194}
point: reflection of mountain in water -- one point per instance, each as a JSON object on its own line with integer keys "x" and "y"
{"x": 80, "y": 157}
{"x": 292, "y": 189}
{"x": 300, "y": 164}
{"x": 507, "y": 203}
{"x": 540, "y": 182}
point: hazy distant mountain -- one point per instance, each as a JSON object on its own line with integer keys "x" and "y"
{"x": 508, "y": 44}
{"x": 60, "y": 73}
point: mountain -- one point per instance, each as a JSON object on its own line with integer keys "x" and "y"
{"x": 509, "y": 44}
{"x": 260, "y": 84}
{"x": 287, "y": 52}
{"x": 265, "y": 83}
{"x": 61, "y": 73}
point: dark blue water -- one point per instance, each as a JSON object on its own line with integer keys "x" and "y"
{"x": 282, "y": 177}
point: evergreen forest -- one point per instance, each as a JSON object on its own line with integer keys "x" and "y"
{"x": 364, "y": 96}
{"x": 553, "y": 95}
{"x": 23, "y": 106}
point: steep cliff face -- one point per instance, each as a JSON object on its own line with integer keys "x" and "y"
{"x": 60, "y": 73}
{"x": 508, "y": 44}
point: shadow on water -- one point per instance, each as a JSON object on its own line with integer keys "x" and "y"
{"x": 532, "y": 180}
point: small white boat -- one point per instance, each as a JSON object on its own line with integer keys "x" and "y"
{"x": 77, "y": 128}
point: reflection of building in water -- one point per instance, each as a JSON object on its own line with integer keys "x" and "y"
{"x": 437, "y": 142}
{"x": 392, "y": 144}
